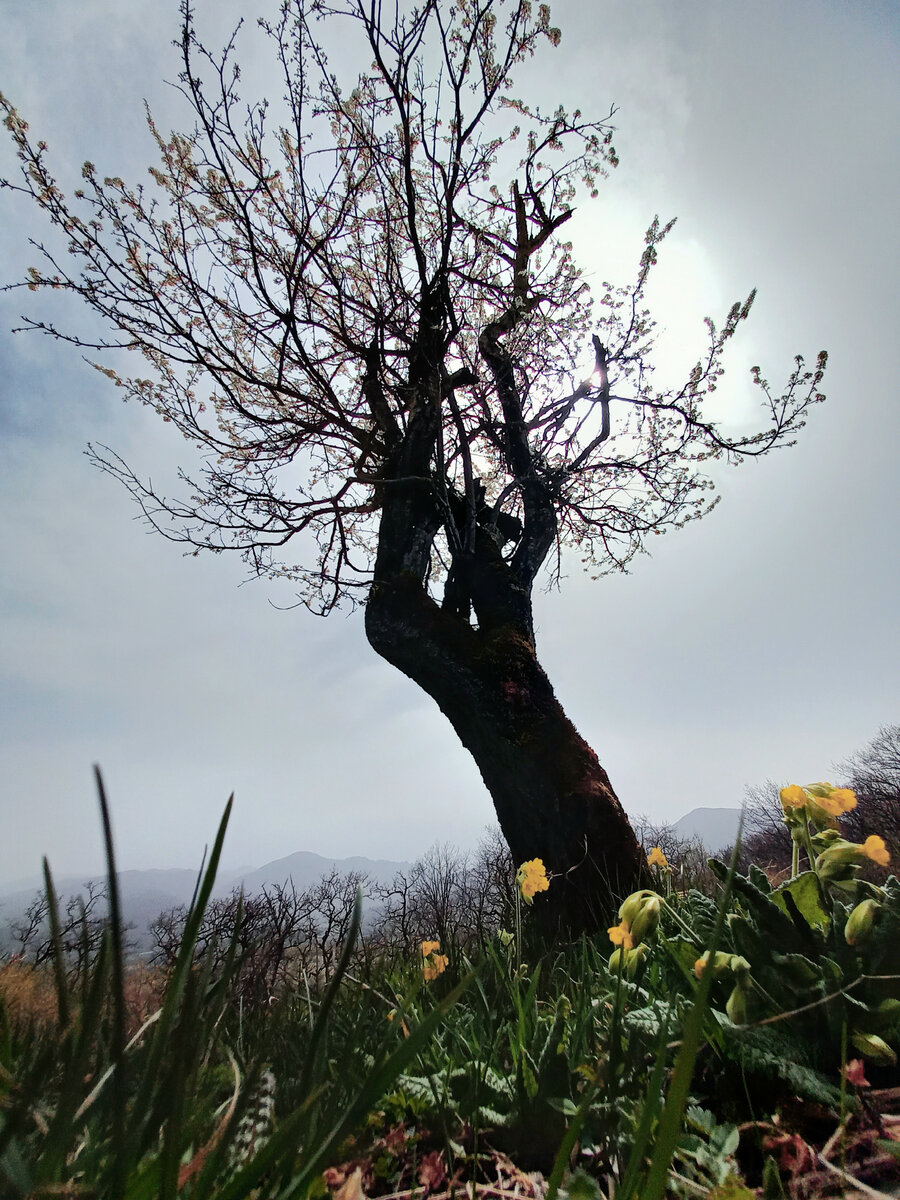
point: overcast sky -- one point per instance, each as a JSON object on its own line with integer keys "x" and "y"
{"x": 759, "y": 643}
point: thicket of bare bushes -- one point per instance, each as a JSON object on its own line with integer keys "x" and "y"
{"x": 82, "y": 920}
{"x": 287, "y": 937}
{"x": 686, "y": 856}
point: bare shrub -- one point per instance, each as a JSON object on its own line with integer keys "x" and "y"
{"x": 874, "y": 775}
{"x": 82, "y": 921}
{"x": 687, "y": 857}
{"x": 281, "y": 935}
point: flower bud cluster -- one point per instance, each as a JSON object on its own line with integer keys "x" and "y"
{"x": 729, "y": 964}
{"x": 639, "y": 917}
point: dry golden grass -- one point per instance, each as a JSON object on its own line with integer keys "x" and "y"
{"x": 29, "y": 995}
{"x": 144, "y": 989}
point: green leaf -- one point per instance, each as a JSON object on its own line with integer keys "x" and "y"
{"x": 759, "y": 879}
{"x": 733, "y": 1188}
{"x": 581, "y": 1186}
{"x": 806, "y": 893}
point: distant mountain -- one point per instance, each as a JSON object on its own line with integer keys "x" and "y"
{"x": 146, "y": 894}
{"x": 715, "y": 827}
{"x": 304, "y": 869}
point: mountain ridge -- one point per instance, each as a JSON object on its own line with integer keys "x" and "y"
{"x": 147, "y": 893}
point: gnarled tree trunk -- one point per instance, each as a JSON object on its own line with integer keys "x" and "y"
{"x": 552, "y": 797}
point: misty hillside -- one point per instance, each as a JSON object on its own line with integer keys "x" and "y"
{"x": 305, "y": 868}
{"x": 715, "y": 827}
{"x": 145, "y": 894}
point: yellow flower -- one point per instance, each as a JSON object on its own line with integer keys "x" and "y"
{"x": 836, "y": 800}
{"x": 793, "y": 797}
{"x": 656, "y": 858}
{"x": 532, "y": 878}
{"x": 873, "y": 847}
{"x": 433, "y": 963}
{"x": 620, "y": 935}
{"x": 434, "y": 966}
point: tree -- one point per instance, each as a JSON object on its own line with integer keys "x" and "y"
{"x": 358, "y": 303}
{"x": 81, "y": 923}
{"x": 873, "y": 773}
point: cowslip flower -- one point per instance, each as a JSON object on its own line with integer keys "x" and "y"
{"x": 620, "y": 935}
{"x": 860, "y": 922}
{"x": 793, "y": 797}
{"x": 433, "y": 963}
{"x": 630, "y": 961}
{"x": 638, "y": 918}
{"x": 835, "y": 862}
{"x": 722, "y": 962}
{"x": 631, "y": 905}
{"x": 822, "y": 800}
{"x": 646, "y": 919}
{"x": 873, "y": 847}
{"x": 736, "y": 1005}
{"x": 531, "y": 878}
{"x": 834, "y": 800}
{"x": 656, "y": 858}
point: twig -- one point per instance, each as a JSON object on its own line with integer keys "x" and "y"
{"x": 851, "y": 1179}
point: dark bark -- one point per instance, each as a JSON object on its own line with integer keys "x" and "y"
{"x": 552, "y": 797}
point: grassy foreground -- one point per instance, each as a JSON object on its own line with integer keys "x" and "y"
{"x": 728, "y": 1042}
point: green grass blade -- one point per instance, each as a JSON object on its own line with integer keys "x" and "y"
{"x": 63, "y": 1127}
{"x": 141, "y": 1127}
{"x": 376, "y": 1084}
{"x": 59, "y": 966}
{"x": 117, "y": 1048}
{"x": 648, "y": 1119}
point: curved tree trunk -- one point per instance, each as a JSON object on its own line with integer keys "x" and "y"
{"x": 552, "y": 797}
